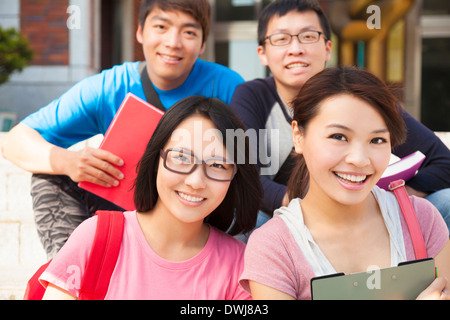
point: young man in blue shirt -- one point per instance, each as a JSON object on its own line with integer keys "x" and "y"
{"x": 173, "y": 35}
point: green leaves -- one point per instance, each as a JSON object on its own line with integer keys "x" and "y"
{"x": 14, "y": 53}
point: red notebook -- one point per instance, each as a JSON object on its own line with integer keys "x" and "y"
{"x": 405, "y": 169}
{"x": 127, "y": 137}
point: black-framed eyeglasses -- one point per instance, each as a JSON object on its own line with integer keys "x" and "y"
{"x": 283, "y": 39}
{"x": 184, "y": 162}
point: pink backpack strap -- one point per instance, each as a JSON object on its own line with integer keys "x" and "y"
{"x": 103, "y": 255}
{"x": 398, "y": 187}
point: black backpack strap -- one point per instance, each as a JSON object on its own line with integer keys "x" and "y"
{"x": 150, "y": 93}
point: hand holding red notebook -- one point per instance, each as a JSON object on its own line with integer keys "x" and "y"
{"x": 127, "y": 137}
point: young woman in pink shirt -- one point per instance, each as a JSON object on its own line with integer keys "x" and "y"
{"x": 192, "y": 187}
{"x": 338, "y": 220}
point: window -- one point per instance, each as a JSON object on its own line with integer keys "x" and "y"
{"x": 436, "y": 83}
{"x": 235, "y": 36}
{"x": 436, "y": 7}
{"x": 435, "y": 94}
{"x": 239, "y": 10}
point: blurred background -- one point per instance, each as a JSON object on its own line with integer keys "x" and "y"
{"x": 72, "y": 39}
{"x": 405, "y": 42}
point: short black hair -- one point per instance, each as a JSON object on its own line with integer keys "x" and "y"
{"x": 283, "y": 7}
{"x": 238, "y": 211}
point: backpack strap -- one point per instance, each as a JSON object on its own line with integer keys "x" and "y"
{"x": 35, "y": 290}
{"x": 398, "y": 187}
{"x": 103, "y": 255}
{"x": 150, "y": 93}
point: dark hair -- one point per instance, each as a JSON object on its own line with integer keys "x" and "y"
{"x": 335, "y": 81}
{"x": 238, "y": 211}
{"x": 200, "y": 10}
{"x": 283, "y": 7}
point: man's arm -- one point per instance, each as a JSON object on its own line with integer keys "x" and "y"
{"x": 27, "y": 149}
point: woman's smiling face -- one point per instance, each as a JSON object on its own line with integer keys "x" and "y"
{"x": 192, "y": 197}
{"x": 346, "y": 148}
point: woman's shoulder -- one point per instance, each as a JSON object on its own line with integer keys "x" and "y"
{"x": 225, "y": 241}
{"x": 85, "y": 232}
{"x": 274, "y": 233}
{"x": 429, "y": 217}
{"x": 433, "y": 227}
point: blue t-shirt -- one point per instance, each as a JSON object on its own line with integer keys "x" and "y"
{"x": 88, "y": 107}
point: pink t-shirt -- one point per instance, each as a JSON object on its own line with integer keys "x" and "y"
{"x": 141, "y": 274}
{"x": 273, "y": 257}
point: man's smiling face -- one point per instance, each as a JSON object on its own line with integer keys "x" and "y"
{"x": 293, "y": 64}
{"x": 172, "y": 41}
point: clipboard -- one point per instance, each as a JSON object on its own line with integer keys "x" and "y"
{"x": 404, "y": 282}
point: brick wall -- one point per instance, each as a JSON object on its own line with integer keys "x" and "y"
{"x": 43, "y": 23}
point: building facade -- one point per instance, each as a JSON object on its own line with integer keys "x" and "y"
{"x": 406, "y": 43}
